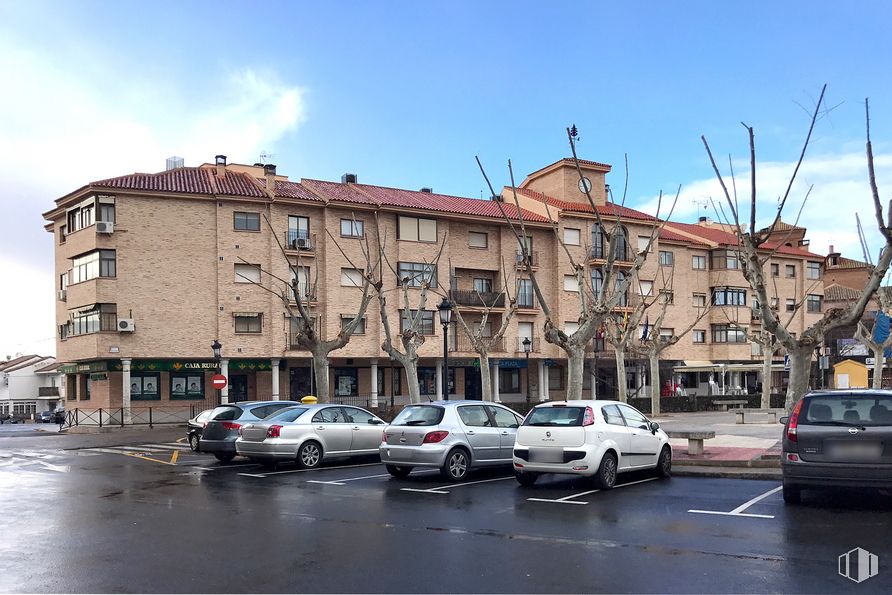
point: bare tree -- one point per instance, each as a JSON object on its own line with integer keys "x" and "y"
{"x": 868, "y": 337}
{"x": 768, "y": 347}
{"x": 754, "y": 245}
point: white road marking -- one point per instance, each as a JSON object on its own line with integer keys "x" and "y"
{"x": 169, "y": 446}
{"x": 340, "y": 482}
{"x": 571, "y": 499}
{"x": 739, "y": 510}
{"x": 304, "y": 470}
{"x": 58, "y": 468}
{"x": 452, "y": 486}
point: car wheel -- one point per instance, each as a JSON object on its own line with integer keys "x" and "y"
{"x": 526, "y": 479}
{"x": 398, "y": 471}
{"x": 607, "y": 471}
{"x": 224, "y": 457}
{"x": 664, "y": 463}
{"x": 456, "y": 466}
{"x": 193, "y": 442}
{"x": 310, "y": 455}
{"x": 792, "y": 494}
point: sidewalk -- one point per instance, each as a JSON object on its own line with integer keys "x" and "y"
{"x": 122, "y": 437}
{"x": 750, "y": 451}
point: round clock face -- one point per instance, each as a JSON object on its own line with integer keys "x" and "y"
{"x": 585, "y": 185}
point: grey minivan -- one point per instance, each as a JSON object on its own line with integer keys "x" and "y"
{"x": 838, "y": 439}
{"x": 221, "y": 431}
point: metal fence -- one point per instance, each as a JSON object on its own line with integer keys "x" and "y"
{"x": 129, "y": 416}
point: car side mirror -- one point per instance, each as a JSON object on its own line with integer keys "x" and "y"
{"x": 784, "y": 420}
{"x": 654, "y": 426}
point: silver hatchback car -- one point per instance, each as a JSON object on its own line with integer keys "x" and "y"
{"x": 453, "y": 436}
{"x": 309, "y": 434}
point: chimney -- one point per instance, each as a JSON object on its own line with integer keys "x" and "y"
{"x": 704, "y": 220}
{"x": 831, "y": 249}
{"x": 221, "y": 165}
{"x": 269, "y": 172}
{"x": 427, "y": 190}
{"x": 349, "y": 179}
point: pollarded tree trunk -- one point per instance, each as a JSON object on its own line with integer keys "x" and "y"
{"x": 320, "y": 373}
{"x": 654, "y": 362}
{"x": 575, "y": 371}
{"x": 621, "y": 389}
{"x": 411, "y": 367}
{"x": 485, "y": 376}
{"x": 767, "y": 357}
{"x": 800, "y": 375}
{"x": 878, "y": 360}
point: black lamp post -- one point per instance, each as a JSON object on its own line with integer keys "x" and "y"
{"x": 218, "y": 349}
{"x": 445, "y": 309}
{"x": 527, "y": 344}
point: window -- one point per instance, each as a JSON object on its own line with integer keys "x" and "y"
{"x": 773, "y": 302}
{"x": 524, "y": 293}
{"x": 63, "y": 281}
{"x": 145, "y": 387}
{"x": 618, "y": 289}
{"x": 247, "y": 273}
{"x": 813, "y": 270}
{"x": 643, "y": 243}
{"x": 186, "y": 386}
{"x": 597, "y": 250}
{"x": 482, "y": 285}
{"x": 414, "y": 229}
{"x": 503, "y": 417}
{"x": 301, "y": 277}
{"x": 524, "y": 330}
{"x": 775, "y": 270}
{"x": 728, "y": 296}
{"x": 246, "y": 221}
{"x": 571, "y": 236}
{"x": 621, "y": 245}
{"x": 612, "y": 415}
{"x": 666, "y": 334}
{"x": 87, "y": 218}
{"x": 346, "y": 382}
{"x": 645, "y": 287}
{"x": 791, "y": 305}
{"x": 570, "y": 283}
{"x": 633, "y": 418}
{"x": 417, "y": 274}
{"x": 358, "y": 416}
{"x": 352, "y": 228}
{"x": 331, "y": 415}
{"x": 360, "y": 326}
{"x": 755, "y": 349}
{"x": 99, "y": 263}
{"x": 570, "y": 327}
{"x": 790, "y": 270}
{"x": 667, "y": 296}
{"x": 474, "y": 415}
{"x": 351, "y": 278}
{"x": 298, "y": 229}
{"x": 813, "y": 303}
{"x": 509, "y": 380}
{"x": 699, "y": 300}
{"x": 725, "y": 259}
{"x": 597, "y": 282}
{"x": 698, "y": 261}
{"x": 62, "y": 233}
{"x": 106, "y": 211}
{"x": 666, "y": 258}
{"x": 425, "y": 324}
{"x": 427, "y": 381}
{"x": 477, "y": 239}
{"x": 699, "y": 336}
{"x": 555, "y": 378}
{"x": 95, "y": 318}
{"x": 726, "y": 333}
{"x": 248, "y": 322}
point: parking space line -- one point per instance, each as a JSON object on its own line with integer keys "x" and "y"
{"x": 739, "y": 510}
{"x": 305, "y": 470}
{"x": 444, "y": 489}
{"x": 228, "y": 467}
{"x": 571, "y": 499}
{"x": 340, "y": 482}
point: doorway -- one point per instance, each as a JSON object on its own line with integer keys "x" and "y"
{"x": 301, "y": 383}
{"x": 472, "y": 384}
{"x": 238, "y": 388}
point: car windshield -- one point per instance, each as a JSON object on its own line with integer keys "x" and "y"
{"x": 555, "y": 416}
{"x": 847, "y": 410}
{"x": 419, "y": 415}
{"x": 289, "y": 414}
{"x": 225, "y": 413}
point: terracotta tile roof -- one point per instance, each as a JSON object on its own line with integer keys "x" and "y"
{"x": 669, "y": 235}
{"x": 840, "y": 293}
{"x": 336, "y": 191}
{"x": 290, "y": 189}
{"x": 781, "y": 226}
{"x": 845, "y": 263}
{"x": 721, "y": 237}
{"x": 608, "y": 210}
{"x": 9, "y": 364}
{"x": 188, "y": 180}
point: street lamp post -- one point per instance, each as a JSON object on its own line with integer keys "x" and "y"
{"x": 527, "y": 344}
{"x": 445, "y": 309}
{"x": 218, "y": 350}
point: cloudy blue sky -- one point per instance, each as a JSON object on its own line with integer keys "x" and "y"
{"x": 407, "y": 93}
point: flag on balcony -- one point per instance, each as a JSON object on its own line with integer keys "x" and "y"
{"x": 646, "y": 328}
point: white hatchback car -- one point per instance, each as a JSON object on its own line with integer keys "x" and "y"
{"x": 590, "y": 438}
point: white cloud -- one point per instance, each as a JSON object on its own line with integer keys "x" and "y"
{"x": 839, "y": 190}
{"x": 28, "y": 304}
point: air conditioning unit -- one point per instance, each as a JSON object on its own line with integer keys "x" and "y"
{"x": 301, "y": 244}
{"x": 105, "y": 227}
{"x": 63, "y": 295}
{"x": 125, "y": 325}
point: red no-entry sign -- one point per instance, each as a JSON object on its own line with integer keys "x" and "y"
{"x": 218, "y": 381}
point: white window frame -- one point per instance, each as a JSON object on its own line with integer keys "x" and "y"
{"x": 351, "y": 278}
{"x": 246, "y": 273}
{"x": 572, "y": 236}
{"x": 478, "y": 235}
{"x": 570, "y": 283}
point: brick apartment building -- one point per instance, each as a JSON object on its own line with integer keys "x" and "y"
{"x": 151, "y": 270}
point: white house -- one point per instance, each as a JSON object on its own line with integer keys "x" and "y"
{"x": 28, "y": 384}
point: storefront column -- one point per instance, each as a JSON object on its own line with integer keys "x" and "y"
{"x": 543, "y": 381}
{"x": 374, "y": 393}
{"x": 125, "y": 389}
{"x": 439, "y": 381}
{"x": 495, "y": 383}
{"x": 275, "y": 363}
{"x": 224, "y": 392}
{"x": 593, "y": 380}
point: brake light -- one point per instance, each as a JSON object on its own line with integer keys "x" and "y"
{"x": 272, "y": 431}
{"x": 384, "y": 437}
{"x": 589, "y": 418}
{"x": 794, "y": 422}
{"x": 434, "y": 437}
{"x": 228, "y": 425}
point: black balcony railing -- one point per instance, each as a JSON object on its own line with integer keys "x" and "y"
{"x": 517, "y": 345}
{"x": 463, "y": 344}
{"x": 48, "y": 391}
{"x": 532, "y": 256}
{"x": 481, "y": 299}
{"x": 299, "y": 239}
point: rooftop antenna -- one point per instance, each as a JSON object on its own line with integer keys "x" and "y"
{"x": 700, "y": 203}
{"x": 265, "y": 157}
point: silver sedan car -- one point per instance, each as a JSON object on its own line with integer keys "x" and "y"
{"x": 453, "y": 436}
{"x": 310, "y": 434}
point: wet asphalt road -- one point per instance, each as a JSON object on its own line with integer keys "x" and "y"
{"x": 82, "y": 521}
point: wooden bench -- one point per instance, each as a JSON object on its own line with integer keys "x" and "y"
{"x": 725, "y": 403}
{"x": 739, "y": 414}
{"x": 695, "y": 439}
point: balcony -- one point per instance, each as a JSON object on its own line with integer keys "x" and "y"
{"x": 305, "y": 292}
{"x": 517, "y": 344}
{"x": 533, "y": 256}
{"x": 463, "y": 344}
{"x": 48, "y": 391}
{"x": 299, "y": 240}
{"x": 475, "y": 299}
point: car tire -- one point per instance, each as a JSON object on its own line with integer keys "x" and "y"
{"x": 193, "y": 442}
{"x": 526, "y": 479}
{"x": 224, "y": 457}
{"x": 607, "y": 471}
{"x": 309, "y": 455}
{"x": 792, "y": 494}
{"x": 664, "y": 463}
{"x": 457, "y": 465}
{"x": 398, "y": 470}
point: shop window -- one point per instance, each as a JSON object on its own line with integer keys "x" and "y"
{"x": 186, "y": 386}
{"x": 145, "y": 387}
{"x": 346, "y": 382}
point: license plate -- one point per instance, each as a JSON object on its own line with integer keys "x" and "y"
{"x": 546, "y": 455}
{"x": 851, "y": 450}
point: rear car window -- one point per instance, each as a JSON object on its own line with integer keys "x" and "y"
{"x": 555, "y": 416}
{"x": 419, "y": 415}
{"x": 226, "y": 413}
{"x": 287, "y": 414}
{"x": 266, "y": 410}
{"x": 204, "y": 415}
{"x": 864, "y": 410}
